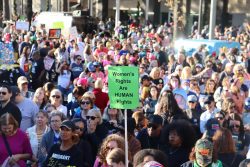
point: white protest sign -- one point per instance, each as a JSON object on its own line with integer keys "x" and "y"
{"x": 73, "y": 32}
{"x": 22, "y": 25}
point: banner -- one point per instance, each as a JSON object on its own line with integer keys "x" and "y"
{"x": 22, "y": 25}
{"x": 6, "y": 54}
{"x": 123, "y": 83}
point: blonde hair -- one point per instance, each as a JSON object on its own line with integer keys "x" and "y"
{"x": 236, "y": 67}
{"x": 186, "y": 73}
{"x": 99, "y": 83}
{"x": 153, "y": 71}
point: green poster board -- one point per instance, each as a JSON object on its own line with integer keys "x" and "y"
{"x": 58, "y": 24}
{"x": 123, "y": 83}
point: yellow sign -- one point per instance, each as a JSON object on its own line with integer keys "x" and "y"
{"x": 58, "y": 25}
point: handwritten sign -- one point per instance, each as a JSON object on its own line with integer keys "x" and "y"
{"x": 123, "y": 87}
{"x": 22, "y": 25}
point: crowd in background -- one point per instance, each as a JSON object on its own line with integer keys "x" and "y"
{"x": 55, "y": 111}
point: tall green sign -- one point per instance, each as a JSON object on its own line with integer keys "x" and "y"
{"x": 123, "y": 84}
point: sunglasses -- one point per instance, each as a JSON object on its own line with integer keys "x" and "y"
{"x": 3, "y": 93}
{"x": 56, "y": 96}
{"x": 152, "y": 126}
{"x": 191, "y": 102}
{"x": 85, "y": 102}
{"x": 234, "y": 126}
{"x": 78, "y": 128}
{"x": 91, "y": 117}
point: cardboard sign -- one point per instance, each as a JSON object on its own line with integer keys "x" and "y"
{"x": 73, "y": 32}
{"x": 54, "y": 33}
{"x": 123, "y": 87}
{"x": 22, "y": 25}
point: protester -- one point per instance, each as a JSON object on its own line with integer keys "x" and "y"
{"x": 7, "y": 106}
{"x": 52, "y": 137}
{"x": 203, "y": 155}
{"x": 224, "y": 144}
{"x": 147, "y": 155}
{"x": 67, "y": 149}
{"x": 36, "y": 132}
{"x": 15, "y": 146}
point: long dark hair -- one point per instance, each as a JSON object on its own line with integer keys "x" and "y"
{"x": 167, "y": 104}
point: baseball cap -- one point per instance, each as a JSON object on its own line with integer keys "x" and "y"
{"x": 208, "y": 99}
{"x": 15, "y": 91}
{"x": 212, "y": 126}
{"x": 199, "y": 65}
{"x": 82, "y": 82}
{"x": 96, "y": 63}
{"x": 158, "y": 81}
{"x": 22, "y": 80}
{"x": 203, "y": 151}
{"x": 155, "y": 119}
{"x": 68, "y": 124}
{"x": 192, "y": 98}
{"x": 91, "y": 67}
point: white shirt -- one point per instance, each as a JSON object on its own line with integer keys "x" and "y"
{"x": 205, "y": 117}
{"x": 62, "y": 109}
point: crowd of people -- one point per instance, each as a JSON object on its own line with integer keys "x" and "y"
{"x": 54, "y": 105}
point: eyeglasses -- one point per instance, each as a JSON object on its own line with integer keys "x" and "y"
{"x": 79, "y": 59}
{"x": 56, "y": 96}
{"x": 152, "y": 126}
{"x": 78, "y": 128}
{"x": 234, "y": 126}
{"x": 205, "y": 78}
{"x": 85, "y": 102}
{"x": 91, "y": 117}
{"x": 3, "y": 93}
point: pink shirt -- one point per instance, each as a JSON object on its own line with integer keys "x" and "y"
{"x": 19, "y": 144}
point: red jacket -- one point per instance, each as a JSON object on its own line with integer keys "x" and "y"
{"x": 102, "y": 99}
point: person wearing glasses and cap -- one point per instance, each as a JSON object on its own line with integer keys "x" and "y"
{"x": 67, "y": 153}
{"x": 150, "y": 136}
{"x": 210, "y": 112}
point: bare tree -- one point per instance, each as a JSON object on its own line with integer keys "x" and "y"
{"x": 6, "y": 10}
